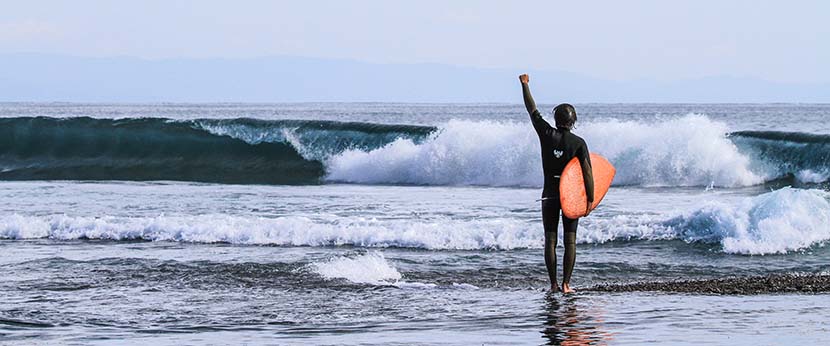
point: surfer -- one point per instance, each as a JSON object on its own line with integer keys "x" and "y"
{"x": 559, "y": 146}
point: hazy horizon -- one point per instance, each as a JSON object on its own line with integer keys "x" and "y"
{"x": 47, "y": 77}
{"x": 464, "y": 51}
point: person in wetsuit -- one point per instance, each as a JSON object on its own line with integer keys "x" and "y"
{"x": 559, "y": 146}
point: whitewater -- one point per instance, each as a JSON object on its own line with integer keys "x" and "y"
{"x": 776, "y": 222}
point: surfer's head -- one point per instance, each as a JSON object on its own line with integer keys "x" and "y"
{"x": 565, "y": 116}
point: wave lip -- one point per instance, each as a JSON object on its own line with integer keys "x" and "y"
{"x": 314, "y": 140}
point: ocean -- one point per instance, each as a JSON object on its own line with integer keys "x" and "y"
{"x": 379, "y": 223}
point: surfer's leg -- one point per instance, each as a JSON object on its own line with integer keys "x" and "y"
{"x": 569, "y": 259}
{"x": 550, "y": 220}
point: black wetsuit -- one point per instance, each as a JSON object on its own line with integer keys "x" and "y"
{"x": 558, "y": 147}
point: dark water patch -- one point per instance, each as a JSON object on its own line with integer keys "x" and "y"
{"x": 198, "y": 329}
{"x": 781, "y": 136}
{"x": 63, "y": 275}
{"x": 24, "y": 324}
{"x": 61, "y": 286}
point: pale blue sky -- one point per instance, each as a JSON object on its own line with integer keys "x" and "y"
{"x": 620, "y": 40}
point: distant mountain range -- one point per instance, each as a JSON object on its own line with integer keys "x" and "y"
{"x": 43, "y": 78}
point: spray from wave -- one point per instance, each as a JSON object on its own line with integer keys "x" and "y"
{"x": 686, "y": 151}
{"x": 460, "y": 153}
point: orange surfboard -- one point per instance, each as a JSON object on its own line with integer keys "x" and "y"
{"x": 572, "y": 186}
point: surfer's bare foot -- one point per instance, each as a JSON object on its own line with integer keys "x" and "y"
{"x": 566, "y": 288}
{"x": 554, "y": 288}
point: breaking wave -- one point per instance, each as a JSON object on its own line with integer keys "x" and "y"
{"x": 777, "y": 222}
{"x": 691, "y": 150}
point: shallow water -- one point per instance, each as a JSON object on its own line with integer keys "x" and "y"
{"x": 101, "y": 292}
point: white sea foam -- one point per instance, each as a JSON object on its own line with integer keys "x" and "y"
{"x": 369, "y": 268}
{"x": 686, "y": 151}
{"x": 777, "y": 222}
{"x": 21, "y": 227}
{"x": 374, "y": 269}
{"x": 772, "y": 223}
{"x": 809, "y": 176}
{"x": 300, "y": 231}
{"x": 460, "y": 153}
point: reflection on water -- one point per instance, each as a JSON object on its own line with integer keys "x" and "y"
{"x": 567, "y": 322}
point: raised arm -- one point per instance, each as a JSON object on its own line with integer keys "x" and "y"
{"x": 587, "y": 174}
{"x": 529, "y": 103}
{"x": 539, "y": 124}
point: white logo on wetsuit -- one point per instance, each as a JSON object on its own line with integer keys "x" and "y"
{"x": 558, "y": 153}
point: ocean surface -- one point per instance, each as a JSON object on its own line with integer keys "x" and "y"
{"x": 376, "y": 223}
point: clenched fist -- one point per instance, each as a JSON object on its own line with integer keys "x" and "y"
{"x": 524, "y": 78}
